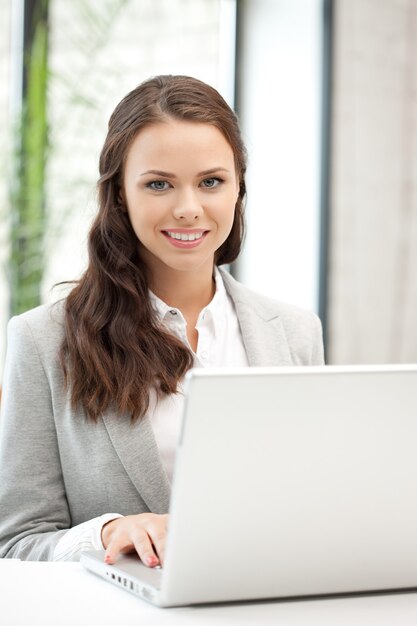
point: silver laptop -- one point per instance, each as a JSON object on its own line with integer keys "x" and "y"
{"x": 288, "y": 482}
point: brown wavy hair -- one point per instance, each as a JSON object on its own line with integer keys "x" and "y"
{"x": 114, "y": 348}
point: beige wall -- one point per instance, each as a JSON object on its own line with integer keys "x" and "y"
{"x": 372, "y": 310}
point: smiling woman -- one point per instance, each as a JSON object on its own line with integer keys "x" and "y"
{"x": 97, "y": 378}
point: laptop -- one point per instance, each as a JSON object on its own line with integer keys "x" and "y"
{"x": 289, "y": 482}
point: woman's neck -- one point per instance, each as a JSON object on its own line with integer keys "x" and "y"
{"x": 189, "y": 292}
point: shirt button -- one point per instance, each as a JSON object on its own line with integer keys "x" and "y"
{"x": 204, "y": 354}
{"x": 173, "y": 312}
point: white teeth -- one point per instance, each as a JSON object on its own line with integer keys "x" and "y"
{"x": 185, "y": 236}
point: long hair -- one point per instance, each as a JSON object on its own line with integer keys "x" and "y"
{"x": 114, "y": 349}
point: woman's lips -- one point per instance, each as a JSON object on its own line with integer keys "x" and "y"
{"x": 185, "y": 238}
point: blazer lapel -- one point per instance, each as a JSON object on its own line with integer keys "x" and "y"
{"x": 138, "y": 452}
{"x": 264, "y": 340}
{"x": 262, "y": 331}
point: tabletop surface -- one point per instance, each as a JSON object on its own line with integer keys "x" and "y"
{"x": 64, "y": 594}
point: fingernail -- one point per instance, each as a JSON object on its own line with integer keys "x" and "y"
{"x": 107, "y": 558}
{"x": 151, "y": 560}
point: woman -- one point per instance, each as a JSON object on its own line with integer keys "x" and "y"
{"x": 92, "y": 387}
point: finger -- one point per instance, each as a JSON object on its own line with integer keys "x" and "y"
{"x": 144, "y": 548}
{"x": 157, "y": 531}
{"x": 116, "y": 545}
{"x": 158, "y": 538}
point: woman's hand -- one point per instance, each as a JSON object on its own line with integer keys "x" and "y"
{"x": 146, "y": 533}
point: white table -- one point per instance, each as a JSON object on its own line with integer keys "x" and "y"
{"x": 64, "y": 594}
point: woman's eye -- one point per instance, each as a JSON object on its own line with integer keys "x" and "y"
{"x": 158, "y": 185}
{"x": 211, "y": 182}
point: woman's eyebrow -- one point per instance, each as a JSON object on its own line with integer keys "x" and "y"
{"x": 158, "y": 173}
{"x": 212, "y": 170}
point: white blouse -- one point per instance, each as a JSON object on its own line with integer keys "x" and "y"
{"x": 220, "y": 344}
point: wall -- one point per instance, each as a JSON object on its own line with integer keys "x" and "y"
{"x": 372, "y": 308}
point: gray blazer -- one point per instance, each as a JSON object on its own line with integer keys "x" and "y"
{"x": 57, "y": 469}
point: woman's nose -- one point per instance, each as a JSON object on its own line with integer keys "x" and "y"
{"x": 188, "y": 207}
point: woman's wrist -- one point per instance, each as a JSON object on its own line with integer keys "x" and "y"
{"x": 107, "y": 530}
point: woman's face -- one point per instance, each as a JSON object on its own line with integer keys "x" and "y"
{"x": 180, "y": 188}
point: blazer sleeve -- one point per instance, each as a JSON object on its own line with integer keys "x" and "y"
{"x": 34, "y": 512}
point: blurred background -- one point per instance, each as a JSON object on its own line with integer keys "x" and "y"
{"x": 326, "y": 91}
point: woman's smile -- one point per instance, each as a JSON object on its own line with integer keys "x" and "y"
{"x": 185, "y": 238}
{"x": 180, "y": 188}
